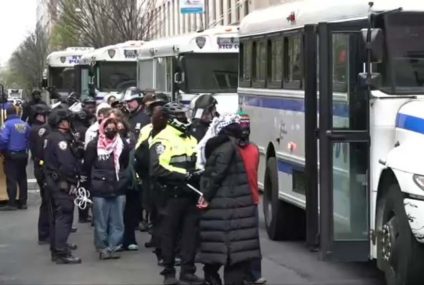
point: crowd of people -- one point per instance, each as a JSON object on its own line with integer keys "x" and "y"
{"x": 190, "y": 180}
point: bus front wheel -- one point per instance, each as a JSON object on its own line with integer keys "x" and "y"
{"x": 283, "y": 221}
{"x": 401, "y": 257}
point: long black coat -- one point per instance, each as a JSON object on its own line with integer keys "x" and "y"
{"x": 228, "y": 227}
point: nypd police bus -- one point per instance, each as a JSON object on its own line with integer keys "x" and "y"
{"x": 192, "y": 64}
{"x": 109, "y": 70}
{"x": 60, "y": 68}
{"x": 335, "y": 92}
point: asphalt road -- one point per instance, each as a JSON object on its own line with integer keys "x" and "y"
{"x": 23, "y": 261}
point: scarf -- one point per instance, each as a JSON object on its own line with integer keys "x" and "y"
{"x": 106, "y": 146}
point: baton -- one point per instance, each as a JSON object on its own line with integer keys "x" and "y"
{"x": 195, "y": 190}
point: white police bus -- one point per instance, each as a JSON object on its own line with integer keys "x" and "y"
{"x": 60, "y": 73}
{"x": 335, "y": 91}
{"x": 109, "y": 70}
{"x": 192, "y": 64}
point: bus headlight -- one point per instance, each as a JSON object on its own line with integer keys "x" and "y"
{"x": 419, "y": 180}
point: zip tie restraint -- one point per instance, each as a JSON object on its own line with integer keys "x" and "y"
{"x": 82, "y": 198}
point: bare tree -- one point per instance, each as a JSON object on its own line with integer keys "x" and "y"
{"x": 28, "y": 60}
{"x": 99, "y": 23}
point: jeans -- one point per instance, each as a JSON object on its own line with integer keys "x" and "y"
{"x": 108, "y": 215}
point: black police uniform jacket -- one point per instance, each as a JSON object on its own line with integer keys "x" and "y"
{"x": 229, "y": 226}
{"x": 101, "y": 174}
{"x": 59, "y": 157}
{"x": 137, "y": 121}
{"x": 38, "y": 134}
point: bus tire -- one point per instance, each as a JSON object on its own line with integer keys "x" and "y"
{"x": 280, "y": 216}
{"x": 399, "y": 254}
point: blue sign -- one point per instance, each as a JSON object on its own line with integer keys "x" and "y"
{"x": 192, "y": 6}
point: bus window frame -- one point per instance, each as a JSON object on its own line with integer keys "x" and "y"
{"x": 287, "y": 83}
{"x": 245, "y": 45}
{"x": 256, "y": 59}
{"x": 275, "y": 84}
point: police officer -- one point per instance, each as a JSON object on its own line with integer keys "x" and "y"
{"x": 80, "y": 123}
{"x": 137, "y": 117}
{"x": 27, "y": 113}
{"x": 62, "y": 165}
{"x": 203, "y": 113}
{"x": 172, "y": 163}
{"x": 14, "y": 143}
{"x": 39, "y": 132}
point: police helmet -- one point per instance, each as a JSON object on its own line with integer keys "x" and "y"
{"x": 41, "y": 109}
{"x": 161, "y": 97}
{"x": 133, "y": 93}
{"x": 59, "y": 115}
{"x": 203, "y": 103}
{"x": 36, "y": 92}
{"x": 174, "y": 108}
{"x": 89, "y": 100}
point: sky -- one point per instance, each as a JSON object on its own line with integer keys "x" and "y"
{"x": 17, "y": 20}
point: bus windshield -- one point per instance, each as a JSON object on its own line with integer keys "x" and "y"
{"x": 117, "y": 76}
{"x": 62, "y": 78}
{"x": 405, "y": 33}
{"x": 211, "y": 73}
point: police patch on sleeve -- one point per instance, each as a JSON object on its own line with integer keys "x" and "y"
{"x": 41, "y": 132}
{"x": 160, "y": 148}
{"x": 63, "y": 145}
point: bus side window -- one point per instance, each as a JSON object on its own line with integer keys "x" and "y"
{"x": 245, "y": 63}
{"x": 340, "y": 62}
{"x": 259, "y": 63}
{"x": 275, "y": 62}
{"x": 293, "y": 62}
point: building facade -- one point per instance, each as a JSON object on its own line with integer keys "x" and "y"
{"x": 169, "y": 21}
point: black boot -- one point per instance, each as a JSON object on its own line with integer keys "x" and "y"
{"x": 213, "y": 279}
{"x": 190, "y": 279}
{"x": 169, "y": 279}
{"x": 67, "y": 259}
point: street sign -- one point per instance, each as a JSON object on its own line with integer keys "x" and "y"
{"x": 192, "y": 6}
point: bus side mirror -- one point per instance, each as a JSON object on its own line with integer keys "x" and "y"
{"x": 179, "y": 78}
{"x": 44, "y": 83}
{"x": 374, "y": 44}
{"x": 372, "y": 80}
{"x": 91, "y": 70}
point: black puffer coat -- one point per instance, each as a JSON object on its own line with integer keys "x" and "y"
{"x": 228, "y": 227}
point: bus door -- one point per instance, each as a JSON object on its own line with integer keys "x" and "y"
{"x": 343, "y": 144}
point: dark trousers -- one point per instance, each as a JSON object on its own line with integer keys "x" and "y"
{"x": 83, "y": 214}
{"x": 234, "y": 274}
{"x": 179, "y": 215}
{"x": 62, "y": 210}
{"x": 132, "y": 214}
{"x": 15, "y": 170}
{"x": 43, "y": 217}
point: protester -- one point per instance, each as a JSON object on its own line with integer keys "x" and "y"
{"x": 250, "y": 155}
{"x": 228, "y": 225}
{"x": 105, "y": 160}
{"x": 91, "y": 133}
{"x": 14, "y": 144}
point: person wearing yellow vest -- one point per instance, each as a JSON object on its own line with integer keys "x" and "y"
{"x": 172, "y": 166}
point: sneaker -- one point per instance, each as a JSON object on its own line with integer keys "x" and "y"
{"x": 23, "y": 207}
{"x": 132, "y": 247}
{"x": 190, "y": 279}
{"x": 104, "y": 254}
{"x": 170, "y": 279}
{"x": 115, "y": 255}
{"x": 69, "y": 259}
{"x": 260, "y": 280}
